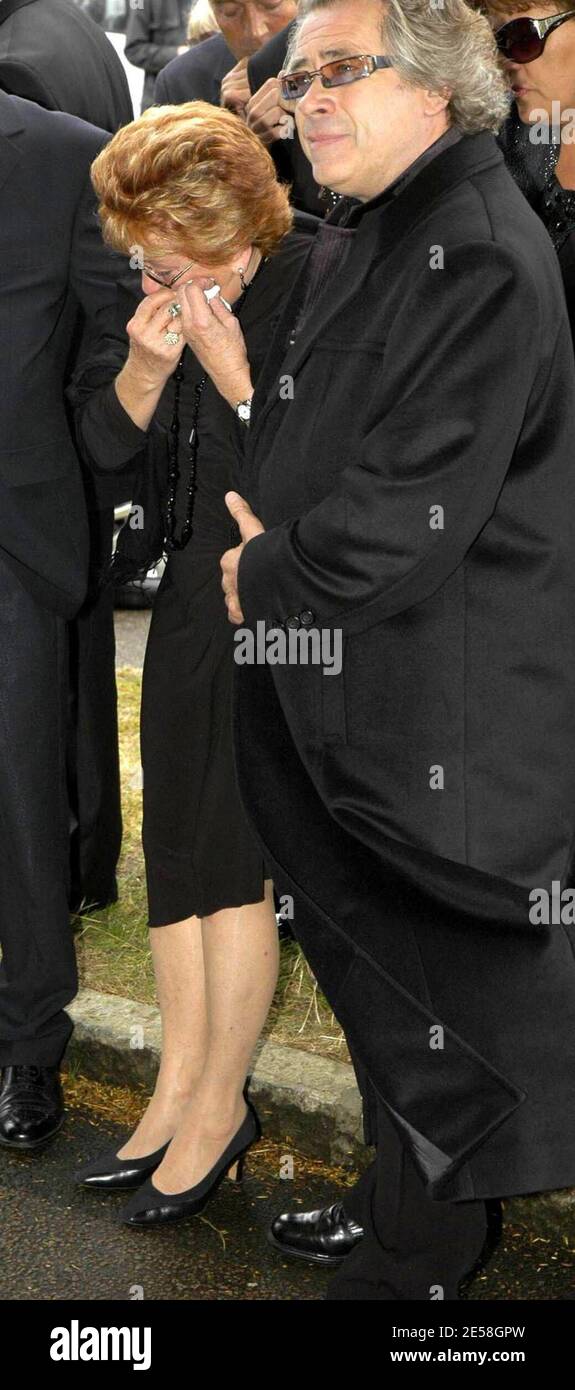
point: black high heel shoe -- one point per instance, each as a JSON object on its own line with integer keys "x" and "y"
{"x": 112, "y": 1174}
{"x": 150, "y": 1207}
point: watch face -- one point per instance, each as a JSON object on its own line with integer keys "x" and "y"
{"x": 244, "y": 410}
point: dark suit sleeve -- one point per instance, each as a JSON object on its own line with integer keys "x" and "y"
{"x": 20, "y": 80}
{"x": 440, "y": 433}
{"x": 98, "y": 275}
{"x": 170, "y": 87}
{"x": 162, "y": 95}
{"x": 139, "y": 50}
{"x": 108, "y": 292}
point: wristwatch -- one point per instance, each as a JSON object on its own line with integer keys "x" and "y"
{"x": 243, "y": 410}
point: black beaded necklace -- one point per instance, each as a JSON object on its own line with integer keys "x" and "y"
{"x": 173, "y": 542}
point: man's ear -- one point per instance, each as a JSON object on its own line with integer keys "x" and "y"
{"x": 436, "y": 102}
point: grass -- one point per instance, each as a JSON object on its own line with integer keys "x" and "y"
{"x": 113, "y": 944}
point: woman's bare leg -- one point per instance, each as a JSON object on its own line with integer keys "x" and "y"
{"x": 178, "y": 956}
{"x": 241, "y": 956}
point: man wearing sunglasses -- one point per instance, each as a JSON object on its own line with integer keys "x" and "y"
{"x": 408, "y": 485}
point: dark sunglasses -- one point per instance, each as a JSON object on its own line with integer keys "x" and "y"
{"x": 523, "y": 40}
{"x": 294, "y": 85}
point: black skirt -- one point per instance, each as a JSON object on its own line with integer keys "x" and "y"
{"x": 199, "y": 851}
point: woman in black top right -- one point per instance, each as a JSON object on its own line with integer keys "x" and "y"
{"x": 537, "y": 45}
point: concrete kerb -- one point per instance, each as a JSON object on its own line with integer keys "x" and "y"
{"x": 310, "y": 1102}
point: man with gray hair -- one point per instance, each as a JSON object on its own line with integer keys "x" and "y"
{"x": 409, "y": 470}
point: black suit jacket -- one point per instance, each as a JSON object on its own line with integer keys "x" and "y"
{"x": 154, "y": 32}
{"x": 54, "y": 54}
{"x": 197, "y": 75}
{"x": 411, "y": 457}
{"x": 53, "y": 265}
{"x": 84, "y": 77}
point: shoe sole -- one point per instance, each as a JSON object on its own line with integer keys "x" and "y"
{"x": 27, "y": 1145}
{"x": 328, "y": 1261}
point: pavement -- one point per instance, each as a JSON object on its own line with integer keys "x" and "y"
{"x": 131, "y": 626}
{"x": 311, "y": 1113}
{"x": 60, "y": 1242}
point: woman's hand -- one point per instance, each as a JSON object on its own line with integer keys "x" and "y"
{"x": 150, "y": 355}
{"x": 151, "y": 360}
{"x": 215, "y": 336}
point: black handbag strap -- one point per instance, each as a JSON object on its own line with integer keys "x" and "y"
{"x": 8, "y": 7}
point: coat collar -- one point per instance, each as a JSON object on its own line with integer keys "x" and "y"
{"x": 391, "y": 210}
{"x": 10, "y": 124}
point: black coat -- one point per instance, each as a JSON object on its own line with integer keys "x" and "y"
{"x": 53, "y": 53}
{"x": 53, "y": 264}
{"x": 154, "y": 32}
{"x": 412, "y": 802}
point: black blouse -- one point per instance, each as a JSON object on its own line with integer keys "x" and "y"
{"x": 111, "y": 441}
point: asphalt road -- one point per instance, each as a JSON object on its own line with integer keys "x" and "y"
{"x": 60, "y": 1242}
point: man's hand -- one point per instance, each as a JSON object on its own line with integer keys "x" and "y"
{"x": 235, "y": 89}
{"x": 249, "y": 526}
{"x": 265, "y": 115}
{"x": 215, "y": 336}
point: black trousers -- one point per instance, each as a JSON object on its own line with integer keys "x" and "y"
{"x": 413, "y": 1249}
{"x": 92, "y": 753}
{"x": 38, "y": 970}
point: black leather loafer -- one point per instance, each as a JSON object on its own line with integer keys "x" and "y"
{"x": 325, "y": 1237}
{"x": 31, "y": 1106}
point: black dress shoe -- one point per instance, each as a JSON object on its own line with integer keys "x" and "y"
{"x": 150, "y": 1207}
{"x": 31, "y": 1106}
{"x": 110, "y": 1173}
{"x": 325, "y": 1236}
{"x": 81, "y": 901}
{"x": 451, "y": 1262}
{"x": 494, "y": 1214}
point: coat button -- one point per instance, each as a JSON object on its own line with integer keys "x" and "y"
{"x": 293, "y": 622}
{"x": 307, "y": 618}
